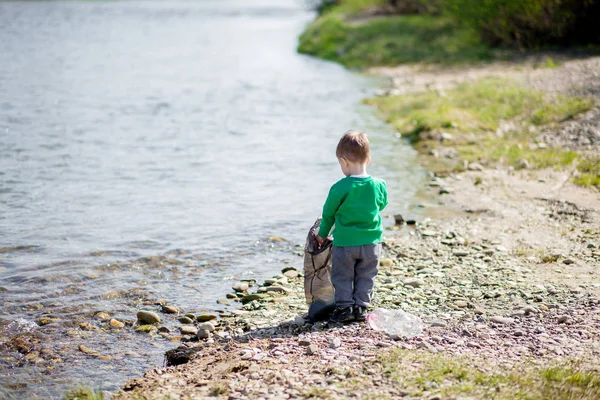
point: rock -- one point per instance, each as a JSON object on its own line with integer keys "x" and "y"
{"x": 563, "y": 319}
{"x": 335, "y": 342}
{"x": 461, "y": 304}
{"x": 188, "y": 330}
{"x": 479, "y": 310}
{"x": 592, "y": 245}
{"x": 278, "y": 289}
{"x": 186, "y": 320}
{"x": 206, "y": 317}
{"x": 251, "y": 297}
{"x": 414, "y": 282}
{"x": 460, "y": 253}
{"x": 224, "y": 302}
{"x": 102, "y": 315}
{"x": 528, "y": 310}
{"x": 146, "y": 329}
{"x": 445, "y": 137}
{"x": 411, "y": 222}
{"x": 167, "y": 309}
{"x": 291, "y": 274}
{"x": 312, "y": 349}
{"x": 276, "y": 239}
{"x": 304, "y": 342}
{"x": 475, "y": 167}
{"x": 163, "y": 329}
{"x": 445, "y": 190}
{"x": 568, "y": 261}
{"x": 502, "y": 320}
{"x": 46, "y": 320}
{"x": 428, "y": 233}
{"x": 203, "y": 334}
{"x": 299, "y": 321}
{"x": 518, "y": 333}
{"x": 438, "y": 323}
{"x": 148, "y": 317}
{"x": 523, "y": 164}
{"x": 240, "y": 286}
{"x": 501, "y": 248}
{"x": 116, "y": 324}
{"x": 386, "y": 262}
{"x": 207, "y": 326}
{"x": 399, "y": 219}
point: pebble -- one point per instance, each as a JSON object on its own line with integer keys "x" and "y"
{"x": 148, "y": 317}
{"x": 335, "y": 342}
{"x": 304, "y": 342}
{"x": 502, "y": 320}
{"x": 501, "y": 249}
{"x": 186, "y": 320}
{"x": 116, "y": 324}
{"x": 207, "y": 326}
{"x": 460, "y": 253}
{"x": 167, "y": 309}
{"x": 102, "y": 315}
{"x": 203, "y": 334}
{"x": 428, "y": 233}
{"x": 299, "y": 321}
{"x": 291, "y": 274}
{"x": 225, "y": 302}
{"x": 568, "y": 261}
{"x": 240, "y": 286}
{"x": 414, "y": 282}
{"x": 563, "y": 319}
{"x": 206, "y": 317}
{"x": 188, "y": 329}
{"x": 528, "y": 310}
{"x": 386, "y": 262}
{"x": 312, "y": 349}
{"x": 461, "y": 303}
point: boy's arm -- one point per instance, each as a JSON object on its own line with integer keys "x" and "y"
{"x": 329, "y": 209}
{"x": 384, "y": 201}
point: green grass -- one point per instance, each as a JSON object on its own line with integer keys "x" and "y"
{"x": 389, "y": 40}
{"x": 84, "y": 393}
{"x": 420, "y": 372}
{"x": 588, "y": 172}
{"x": 477, "y": 107}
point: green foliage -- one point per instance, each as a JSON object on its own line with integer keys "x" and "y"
{"x": 391, "y": 40}
{"x": 480, "y": 106}
{"x": 531, "y": 23}
{"x": 84, "y": 393}
{"x": 589, "y": 172}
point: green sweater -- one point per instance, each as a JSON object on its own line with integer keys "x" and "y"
{"x": 353, "y": 204}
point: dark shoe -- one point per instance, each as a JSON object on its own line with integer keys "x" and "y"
{"x": 342, "y": 314}
{"x": 360, "y": 313}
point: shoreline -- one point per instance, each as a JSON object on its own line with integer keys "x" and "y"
{"x": 505, "y": 284}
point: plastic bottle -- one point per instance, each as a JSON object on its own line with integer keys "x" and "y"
{"x": 395, "y": 323}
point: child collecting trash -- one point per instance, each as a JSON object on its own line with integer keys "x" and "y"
{"x": 353, "y": 205}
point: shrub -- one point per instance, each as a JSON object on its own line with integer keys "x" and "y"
{"x": 531, "y": 23}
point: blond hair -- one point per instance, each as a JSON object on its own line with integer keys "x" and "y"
{"x": 353, "y": 146}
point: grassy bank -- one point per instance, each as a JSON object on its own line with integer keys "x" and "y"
{"x": 350, "y": 35}
{"x": 490, "y": 122}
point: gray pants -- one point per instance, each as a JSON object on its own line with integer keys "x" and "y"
{"x": 353, "y": 273}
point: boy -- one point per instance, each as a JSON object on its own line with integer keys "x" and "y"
{"x": 353, "y": 204}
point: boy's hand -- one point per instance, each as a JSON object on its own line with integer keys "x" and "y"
{"x": 320, "y": 240}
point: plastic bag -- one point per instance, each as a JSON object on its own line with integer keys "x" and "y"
{"x": 395, "y": 323}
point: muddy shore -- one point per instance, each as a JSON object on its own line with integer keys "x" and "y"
{"x": 507, "y": 286}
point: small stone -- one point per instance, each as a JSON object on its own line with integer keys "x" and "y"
{"x": 438, "y": 323}
{"x": 224, "y": 302}
{"x": 399, "y": 219}
{"x": 102, "y": 315}
{"x": 46, "y": 320}
{"x": 163, "y": 329}
{"x": 116, "y": 324}
{"x": 592, "y": 245}
{"x": 502, "y": 320}
{"x": 240, "y": 286}
{"x": 206, "y": 317}
{"x": 528, "y": 310}
{"x": 299, "y": 321}
{"x": 335, "y": 342}
{"x": 167, "y": 309}
{"x": 479, "y": 310}
{"x": 445, "y": 190}
{"x": 475, "y": 167}
{"x": 148, "y": 317}
{"x": 251, "y": 297}
{"x": 428, "y": 233}
{"x": 207, "y": 326}
{"x": 291, "y": 274}
{"x": 461, "y": 303}
{"x": 277, "y": 289}
{"x": 186, "y": 320}
{"x": 543, "y": 307}
{"x": 146, "y": 329}
{"x": 386, "y": 262}
{"x": 304, "y": 342}
{"x": 568, "y": 261}
{"x": 203, "y": 334}
{"x": 501, "y": 249}
{"x": 312, "y": 349}
{"x": 518, "y": 333}
{"x": 188, "y": 330}
{"x": 460, "y": 253}
{"x": 563, "y": 319}
{"x": 414, "y": 282}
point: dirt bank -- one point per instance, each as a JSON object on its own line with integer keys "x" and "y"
{"x": 507, "y": 287}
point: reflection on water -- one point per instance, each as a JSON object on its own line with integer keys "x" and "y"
{"x": 148, "y": 151}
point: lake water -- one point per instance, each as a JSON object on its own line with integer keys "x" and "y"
{"x": 185, "y": 131}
